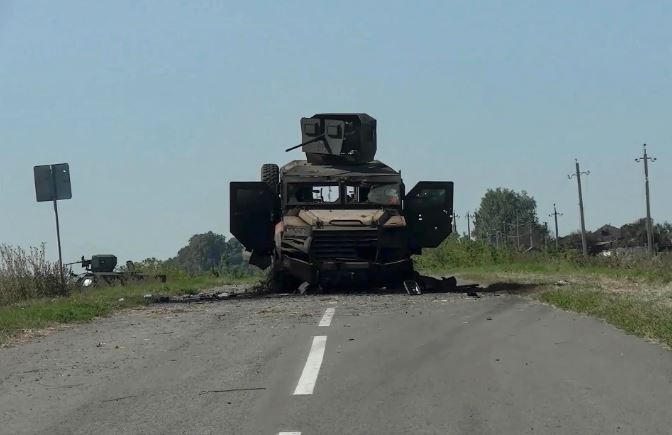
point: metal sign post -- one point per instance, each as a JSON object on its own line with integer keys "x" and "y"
{"x": 52, "y": 183}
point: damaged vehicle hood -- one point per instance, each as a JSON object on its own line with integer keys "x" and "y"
{"x": 350, "y": 217}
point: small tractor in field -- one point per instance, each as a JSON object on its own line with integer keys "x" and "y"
{"x": 338, "y": 219}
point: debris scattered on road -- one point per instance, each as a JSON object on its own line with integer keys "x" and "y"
{"x": 303, "y": 288}
{"x": 116, "y": 399}
{"x": 412, "y": 287}
{"x": 199, "y": 297}
{"x": 231, "y": 390}
{"x": 51, "y": 387}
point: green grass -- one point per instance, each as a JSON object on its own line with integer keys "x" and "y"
{"x": 82, "y": 306}
{"x": 631, "y": 292}
{"x": 640, "y": 304}
{"x": 464, "y": 256}
{"x": 641, "y": 316}
{"x": 550, "y": 266}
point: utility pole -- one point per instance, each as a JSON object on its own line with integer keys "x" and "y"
{"x": 555, "y": 214}
{"x": 545, "y": 235}
{"x": 455, "y": 217}
{"x": 531, "y": 238}
{"x": 578, "y": 174}
{"x": 469, "y": 225}
{"x": 649, "y": 222}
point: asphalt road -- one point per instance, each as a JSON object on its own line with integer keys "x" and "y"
{"x": 388, "y": 364}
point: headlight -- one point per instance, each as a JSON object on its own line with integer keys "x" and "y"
{"x": 88, "y": 282}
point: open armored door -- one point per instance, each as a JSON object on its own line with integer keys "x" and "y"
{"x": 253, "y": 209}
{"x": 428, "y": 209}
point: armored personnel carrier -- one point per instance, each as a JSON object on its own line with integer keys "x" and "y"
{"x": 338, "y": 218}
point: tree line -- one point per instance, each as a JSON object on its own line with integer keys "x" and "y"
{"x": 507, "y": 218}
{"x": 204, "y": 253}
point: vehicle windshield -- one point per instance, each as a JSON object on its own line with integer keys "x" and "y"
{"x": 309, "y": 193}
{"x": 381, "y": 194}
{"x": 354, "y": 193}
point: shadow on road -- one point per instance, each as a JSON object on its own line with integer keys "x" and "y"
{"x": 512, "y": 288}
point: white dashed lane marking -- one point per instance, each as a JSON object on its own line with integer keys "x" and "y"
{"x": 311, "y": 370}
{"x": 328, "y": 315}
{"x": 308, "y": 377}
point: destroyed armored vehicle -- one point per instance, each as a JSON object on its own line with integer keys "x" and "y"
{"x": 100, "y": 270}
{"x": 338, "y": 218}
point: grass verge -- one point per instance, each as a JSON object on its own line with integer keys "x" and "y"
{"x": 82, "y": 306}
{"x": 646, "y": 318}
{"x": 640, "y": 305}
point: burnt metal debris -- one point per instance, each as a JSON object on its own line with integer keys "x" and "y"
{"x": 339, "y": 218}
{"x": 100, "y": 270}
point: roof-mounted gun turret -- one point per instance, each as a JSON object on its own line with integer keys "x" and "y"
{"x": 98, "y": 263}
{"x": 338, "y": 138}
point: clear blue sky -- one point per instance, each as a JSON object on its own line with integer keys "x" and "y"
{"x": 158, "y": 105}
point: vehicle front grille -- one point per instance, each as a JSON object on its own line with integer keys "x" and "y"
{"x": 349, "y": 245}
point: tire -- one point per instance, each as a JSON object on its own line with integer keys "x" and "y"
{"x": 281, "y": 281}
{"x": 270, "y": 174}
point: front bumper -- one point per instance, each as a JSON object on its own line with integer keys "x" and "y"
{"x": 351, "y": 273}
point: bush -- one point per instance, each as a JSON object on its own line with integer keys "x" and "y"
{"x": 27, "y": 274}
{"x": 175, "y": 271}
{"x": 459, "y": 253}
{"x": 153, "y": 266}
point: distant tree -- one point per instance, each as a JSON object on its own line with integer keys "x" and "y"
{"x": 203, "y": 253}
{"x": 634, "y": 234}
{"x": 504, "y": 214}
{"x": 233, "y": 255}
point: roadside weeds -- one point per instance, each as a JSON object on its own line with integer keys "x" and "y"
{"x": 29, "y": 317}
{"x": 637, "y": 306}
